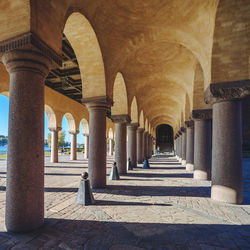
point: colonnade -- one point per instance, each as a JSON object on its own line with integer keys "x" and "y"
{"x": 210, "y": 144}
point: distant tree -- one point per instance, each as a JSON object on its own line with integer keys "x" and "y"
{"x": 49, "y": 140}
{"x": 61, "y": 139}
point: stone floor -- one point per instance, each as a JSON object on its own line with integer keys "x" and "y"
{"x": 158, "y": 208}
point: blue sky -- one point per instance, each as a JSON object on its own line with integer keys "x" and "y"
{"x": 4, "y": 113}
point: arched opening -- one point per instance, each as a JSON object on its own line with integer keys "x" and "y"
{"x": 134, "y": 111}
{"x": 164, "y": 138}
{"x": 120, "y": 96}
{"x": 88, "y": 53}
{"x": 4, "y": 115}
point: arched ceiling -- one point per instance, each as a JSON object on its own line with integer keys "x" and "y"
{"x": 155, "y": 44}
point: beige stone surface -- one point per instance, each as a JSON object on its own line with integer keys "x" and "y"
{"x": 158, "y": 208}
{"x": 168, "y": 51}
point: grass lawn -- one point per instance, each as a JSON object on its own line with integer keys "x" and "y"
{"x": 47, "y": 153}
{"x": 3, "y": 156}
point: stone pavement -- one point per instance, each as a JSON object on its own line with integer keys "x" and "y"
{"x": 158, "y": 208}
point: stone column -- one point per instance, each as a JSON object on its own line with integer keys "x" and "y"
{"x": 227, "y": 139}
{"x": 86, "y": 146}
{"x": 121, "y": 141}
{"x": 149, "y": 146}
{"x": 202, "y": 143}
{"x": 73, "y": 145}
{"x": 183, "y": 145}
{"x": 140, "y": 145}
{"x": 145, "y": 144}
{"x": 132, "y": 154}
{"x": 111, "y": 146}
{"x": 190, "y": 145}
{"x": 25, "y": 164}
{"x": 54, "y": 144}
{"x": 180, "y": 145}
{"x": 97, "y": 107}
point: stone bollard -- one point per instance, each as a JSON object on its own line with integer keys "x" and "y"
{"x": 84, "y": 195}
{"x": 145, "y": 163}
{"x": 129, "y": 165}
{"x": 114, "y": 173}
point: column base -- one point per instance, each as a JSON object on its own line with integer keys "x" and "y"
{"x": 183, "y": 162}
{"x": 225, "y": 194}
{"x": 189, "y": 167}
{"x": 177, "y": 157}
{"x": 180, "y": 160}
{"x": 200, "y": 175}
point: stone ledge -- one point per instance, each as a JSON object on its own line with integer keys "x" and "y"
{"x": 30, "y": 40}
{"x": 201, "y": 114}
{"x": 227, "y": 91}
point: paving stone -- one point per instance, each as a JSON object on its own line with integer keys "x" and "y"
{"x": 157, "y": 208}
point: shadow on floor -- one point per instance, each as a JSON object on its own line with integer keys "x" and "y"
{"x": 159, "y": 175}
{"x": 106, "y": 234}
{"x": 134, "y": 190}
{"x": 128, "y": 203}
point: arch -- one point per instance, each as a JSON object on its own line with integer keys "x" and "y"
{"x": 88, "y": 53}
{"x": 231, "y": 43}
{"x": 146, "y": 124}
{"x": 71, "y": 122}
{"x": 119, "y": 96}
{"x": 149, "y": 128}
{"x": 52, "y": 122}
{"x": 85, "y": 126}
{"x": 134, "y": 111}
{"x": 187, "y": 108}
{"x": 111, "y": 133}
{"x": 164, "y": 137}
{"x": 141, "y": 121}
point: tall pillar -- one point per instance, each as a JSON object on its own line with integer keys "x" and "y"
{"x": 175, "y": 146}
{"x": 86, "y": 146}
{"x": 190, "y": 145}
{"x": 25, "y": 163}
{"x": 140, "y": 145}
{"x": 73, "y": 145}
{"x": 54, "y": 144}
{"x": 132, "y": 147}
{"x": 202, "y": 143}
{"x": 145, "y": 144}
{"x": 183, "y": 145}
{"x": 121, "y": 141}
{"x": 227, "y": 139}
{"x": 111, "y": 146}
{"x": 97, "y": 108}
{"x": 149, "y": 146}
{"x": 180, "y": 145}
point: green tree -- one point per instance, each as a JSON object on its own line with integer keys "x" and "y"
{"x": 61, "y": 138}
{"x": 49, "y": 140}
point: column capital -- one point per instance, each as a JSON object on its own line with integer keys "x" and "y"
{"x": 121, "y": 118}
{"x": 85, "y": 134}
{"x": 73, "y": 132}
{"x": 98, "y": 102}
{"x": 227, "y": 91}
{"x": 30, "y": 41}
{"x": 179, "y": 132}
{"x": 27, "y": 60}
{"x": 140, "y": 130}
{"x": 201, "y": 114}
{"x": 133, "y": 126}
{"x": 55, "y": 129}
{"x": 189, "y": 124}
{"x": 183, "y": 129}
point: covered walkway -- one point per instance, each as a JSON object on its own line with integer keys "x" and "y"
{"x": 158, "y": 208}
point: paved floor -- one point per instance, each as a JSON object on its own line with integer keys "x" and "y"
{"x": 159, "y": 208}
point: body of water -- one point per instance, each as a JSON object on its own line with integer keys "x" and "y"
{"x": 3, "y": 149}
